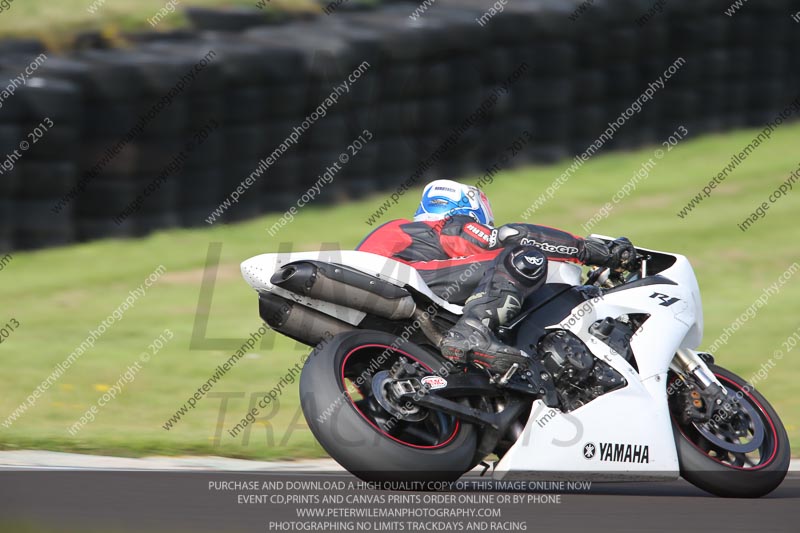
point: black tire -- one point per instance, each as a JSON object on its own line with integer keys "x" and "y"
{"x": 590, "y": 86}
{"x": 353, "y": 439}
{"x": 330, "y": 132}
{"x": 169, "y": 121}
{"x": 400, "y": 81}
{"x": 60, "y": 143}
{"x": 147, "y": 223}
{"x": 245, "y": 105}
{"x": 498, "y": 62}
{"x": 622, "y": 44}
{"x": 623, "y": 81}
{"x": 10, "y": 136}
{"x": 396, "y": 154}
{"x": 9, "y": 184}
{"x": 159, "y": 197}
{"x": 106, "y": 197}
{"x": 58, "y": 100}
{"x": 13, "y": 109}
{"x": 212, "y": 79}
{"x": 548, "y": 153}
{"x": 205, "y": 156}
{"x": 248, "y": 204}
{"x": 230, "y": 19}
{"x": 325, "y": 57}
{"x": 46, "y": 179}
{"x": 276, "y": 201}
{"x": 435, "y": 116}
{"x": 549, "y": 60}
{"x": 144, "y": 37}
{"x": 361, "y": 186}
{"x": 728, "y": 480}
{"x": 159, "y": 72}
{"x": 242, "y": 146}
{"x": 286, "y": 176}
{"x": 154, "y": 156}
{"x": 588, "y": 123}
{"x": 205, "y": 108}
{"x": 109, "y": 121}
{"x": 436, "y": 78}
{"x": 112, "y": 75}
{"x": 6, "y": 225}
{"x": 547, "y": 93}
{"x": 287, "y": 100}
{"x": 195, "y": 216}
{"x": 22, "y": 45}
{"x": 37, "y": 238}
{"x": 391, "y": 117}
{"x": 90, "y": 229}
{"x": 199, "y": 189}
{"x": 36, "y": 228}
{"x": 465, "y": 74}
{"x": 97, "y": 158}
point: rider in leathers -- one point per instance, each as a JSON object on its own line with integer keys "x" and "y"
{"x": 461, "y": 256}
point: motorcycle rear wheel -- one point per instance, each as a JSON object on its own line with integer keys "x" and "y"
{"x": 351, "y": 424}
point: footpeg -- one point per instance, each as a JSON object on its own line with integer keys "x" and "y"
{"x": 509, "y": 373}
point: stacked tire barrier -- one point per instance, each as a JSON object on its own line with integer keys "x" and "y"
{"x": 143, "y": 139}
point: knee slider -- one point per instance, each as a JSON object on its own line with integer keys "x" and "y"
{"x": 527, "y": 264}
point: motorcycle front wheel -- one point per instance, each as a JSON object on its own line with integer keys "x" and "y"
{"x": 741, "y": 454}
{"x": 356, "y": 423}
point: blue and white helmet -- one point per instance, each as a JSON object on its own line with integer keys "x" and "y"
{"x": 443, "y": 198}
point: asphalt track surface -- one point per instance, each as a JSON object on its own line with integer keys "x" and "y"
{"x": 125, "y": 501}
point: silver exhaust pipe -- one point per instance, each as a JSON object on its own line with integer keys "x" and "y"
{"x": 346, "y": 287}
{"x": 297, "y": 321}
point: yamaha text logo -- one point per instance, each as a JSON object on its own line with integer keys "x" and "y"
{"x": 615, "y": 452}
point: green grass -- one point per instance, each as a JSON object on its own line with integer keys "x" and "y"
{"x": 58, "y": 295}
{"x": 56, "y": 20}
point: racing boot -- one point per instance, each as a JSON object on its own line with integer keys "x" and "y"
{"x": 472, "y": 340}
{"x": 516, "y": 273}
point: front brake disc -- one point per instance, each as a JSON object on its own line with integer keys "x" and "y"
{"x": 724, "y": 438}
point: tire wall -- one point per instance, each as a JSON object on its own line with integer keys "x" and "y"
{"x": 583, "y": 64}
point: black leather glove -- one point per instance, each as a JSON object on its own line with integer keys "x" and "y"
{"x": 622, "y": 254}
{"x": 615, "y": 256}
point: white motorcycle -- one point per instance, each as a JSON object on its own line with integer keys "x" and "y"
{"x": 615, "y": 389}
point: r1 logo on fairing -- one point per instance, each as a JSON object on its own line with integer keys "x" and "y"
{"x": 666, "y": 301}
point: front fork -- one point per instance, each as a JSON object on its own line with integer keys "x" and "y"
{"x": 692, "y": 365}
